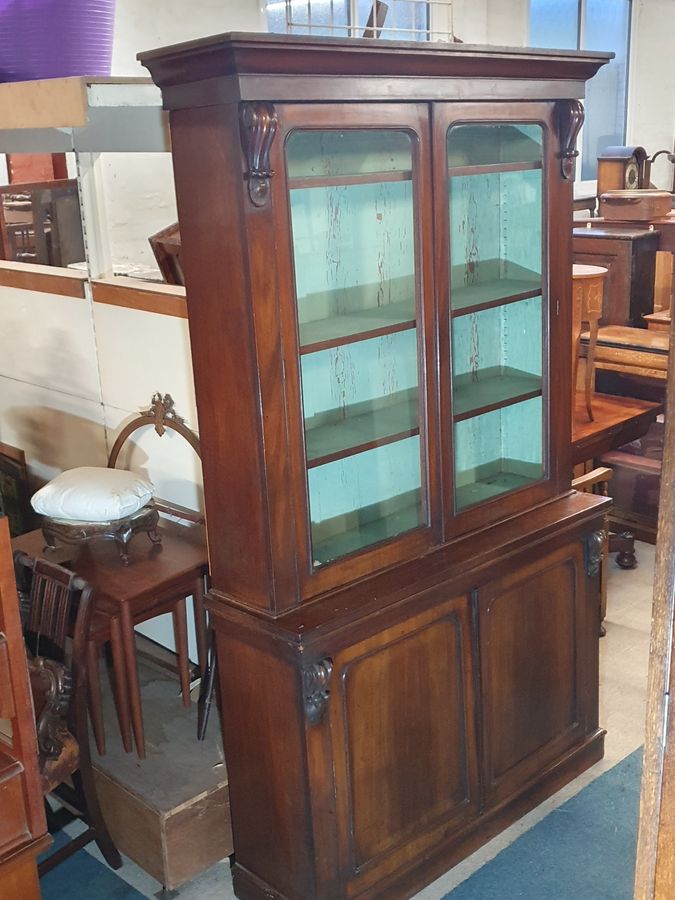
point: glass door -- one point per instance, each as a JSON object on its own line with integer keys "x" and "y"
{"x": 356, "y": 248}
{"x": 498, "y": 312}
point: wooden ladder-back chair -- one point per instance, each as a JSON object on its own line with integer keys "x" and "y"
{"x": 55, "y": 603}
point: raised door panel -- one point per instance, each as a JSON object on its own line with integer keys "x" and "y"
{"x": 534, "y": 643}
{"x": 403, "y": 722}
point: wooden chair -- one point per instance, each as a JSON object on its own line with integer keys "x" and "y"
{"x": 23, "y": 829}
{"x": 55, "y": 602}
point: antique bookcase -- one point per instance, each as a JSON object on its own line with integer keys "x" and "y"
{"x": 377, "y": 251}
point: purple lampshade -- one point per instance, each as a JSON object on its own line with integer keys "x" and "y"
{"x": 55, "y": 38}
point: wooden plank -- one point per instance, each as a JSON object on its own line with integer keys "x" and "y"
{"x": 494, "y": 389}
{"x": 130, "y": 293}
{"x": 655, "y": 869}
{"x": 43, "y": 279}
{"x": 345, "y": 180}
{"x": 490, "y": 168}
{"x": 44, "y": 103}
{"x": 358, "y": 326}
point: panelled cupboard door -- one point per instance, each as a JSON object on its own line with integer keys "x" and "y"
{"x": 404, "y": 745}
{"x": 538, "y": 637}
{"x": 500, "y": 275}
{"x": 352, "y": 207}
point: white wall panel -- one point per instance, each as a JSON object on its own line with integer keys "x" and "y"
{"x": 48, "y": 340}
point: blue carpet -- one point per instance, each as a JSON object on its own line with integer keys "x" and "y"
{"x": 584, "y": 850}
{"x": 81, "y": 877}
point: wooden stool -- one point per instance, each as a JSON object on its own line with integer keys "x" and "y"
{"x": 587, "y": 293}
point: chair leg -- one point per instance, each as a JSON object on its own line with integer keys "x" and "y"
{"x": 201, "y": 627}
{"x": 83, "y": 780}
{"x": 133, "y": 683}
{"x": 180, "y": 637}
{"x": 94, "y": 699}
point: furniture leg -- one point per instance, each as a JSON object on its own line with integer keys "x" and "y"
{"x": 131, "y": 668}
{"x": 180, "y": 636}
{"x": 589, "y": 380}
{"x": 119, "y": 681}
{"x": 200, "y": 625}
{"x": 94, "y": 698}
{"x": 624, "y": 545}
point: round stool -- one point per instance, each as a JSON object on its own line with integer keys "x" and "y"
{"x": 588, "y": 284}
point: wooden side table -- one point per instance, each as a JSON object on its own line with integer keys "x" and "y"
{"x": 157, "y": 580}
{"x": 588, "y": 284}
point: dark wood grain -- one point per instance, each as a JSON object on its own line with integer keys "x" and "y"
{"x": 369, "y": 738}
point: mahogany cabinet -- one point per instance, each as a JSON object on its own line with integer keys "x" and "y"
{"x": 404, "y": 586}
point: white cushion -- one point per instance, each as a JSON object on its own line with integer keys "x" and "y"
{"x": 92, "y": 494}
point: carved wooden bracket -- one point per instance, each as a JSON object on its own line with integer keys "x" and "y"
{"x": 258, "y": 125}
{"x": 315, "y": 680}
{"x": 570, "y": 116}
{"x": 161, "y": 409}
{"x": 594, "y": 546}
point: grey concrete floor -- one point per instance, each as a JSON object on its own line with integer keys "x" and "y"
{"x": 624, "y": 657}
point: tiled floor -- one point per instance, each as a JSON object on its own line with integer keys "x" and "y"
{"x": 623, "y": 674}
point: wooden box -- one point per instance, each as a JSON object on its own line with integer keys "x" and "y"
{"x": 635, "y": 206}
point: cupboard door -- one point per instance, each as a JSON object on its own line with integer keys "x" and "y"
{"x": 402, "y": 725}
{"x": 498, "y": 176}
{"x": 539, "y": 667}
{"x": 355, "y": 183}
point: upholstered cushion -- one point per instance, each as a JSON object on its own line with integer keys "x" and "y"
{"x": 90, "y": 494}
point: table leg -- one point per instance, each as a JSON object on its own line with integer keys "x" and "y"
{"x": 180, "y": 635}
{"x": 590, "y": 368}
{"x": 120, "y": 688}
{"x": 131, "y": 667}
{"x": 200, "y": 625}
{"x": 94, "y": 697}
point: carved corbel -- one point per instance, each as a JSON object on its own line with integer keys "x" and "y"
{"x": 570, "y": 116}
{"x": 258, "y": 126}
{"x": 594, "y": 546}
{"x": 315, "y": 680}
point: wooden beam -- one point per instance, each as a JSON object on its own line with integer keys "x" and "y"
{"x": 655, "y": 869}
{"x": 44, "y": 103}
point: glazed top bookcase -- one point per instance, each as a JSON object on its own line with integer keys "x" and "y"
{"x": 377, "y": 249}
{"x": 398, "y": 301}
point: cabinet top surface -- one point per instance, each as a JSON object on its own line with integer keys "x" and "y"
{"x": 243, "y": 54}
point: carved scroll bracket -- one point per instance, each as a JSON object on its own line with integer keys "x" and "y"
{"x": 258, "y": 126}
{"x": 570, "y": 117}
{"x": 594, "y": 547}
{"x": 315, "y": 680}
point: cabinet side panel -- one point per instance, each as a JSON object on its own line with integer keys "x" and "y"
{"x": 263, "y": 737}
{"x": 207, "y": 168}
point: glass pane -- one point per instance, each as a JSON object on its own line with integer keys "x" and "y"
{"x": 496, "y": 357}
{"x": 353, "y": 228}
{"x": 495, "y": 213}
{"x": 554, "y": 23}
{"x": 497, "y": 308}
{"x": 606, "y": 27}
{"x": 405, "y": 20}
{"x": 328, "y": 17}
{"x": 498, "y": 452}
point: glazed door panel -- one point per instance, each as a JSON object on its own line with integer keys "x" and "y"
{"x": 402, "y": 720}
{"x": 538, "y": 638}
{"x": 499, "y": 276}
{"x": 358, "y": 334}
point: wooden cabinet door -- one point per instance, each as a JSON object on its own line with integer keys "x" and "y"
{"x": 539, "y": 667}
{"x": 404, "y": 748}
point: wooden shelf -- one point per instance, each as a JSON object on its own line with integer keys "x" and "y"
{"x": 493, "y": 389}
{"x": 364, "y": 427}
{"x": 357, "y": 326}
{"x": 316, "y": 181}
{"x": 490, "y": 168}
{"x": 495, "y": 479}
{"x": 399, "y": 519}
{"x": 496, "y": 292}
